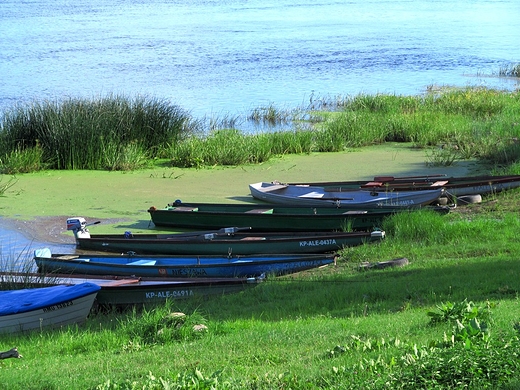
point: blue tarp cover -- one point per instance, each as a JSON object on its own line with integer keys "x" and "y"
{"x": 20, "y": 301}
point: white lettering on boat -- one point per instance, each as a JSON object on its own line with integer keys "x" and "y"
{"x": 318, "y": 242}
{"x": 169, "y": 294}
{"x": 58, "y": 306}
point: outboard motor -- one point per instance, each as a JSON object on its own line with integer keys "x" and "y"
{"x": 78, "y": 225}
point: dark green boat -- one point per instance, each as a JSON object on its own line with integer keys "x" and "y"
{"x": 269, "y": 217}
{"x": 123, "y": 291}
{"x": 226, "y": 241}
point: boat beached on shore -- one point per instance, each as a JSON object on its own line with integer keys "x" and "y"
{"x": 46, "y": 307}
{"x": 264, "y": 217}
{"x": 131, "y": 290}
{"x": 288, "y": 194}
{"x": 454, "y": 186}
{"x": 172, "y": 266}
{"x": 226, "y": 241}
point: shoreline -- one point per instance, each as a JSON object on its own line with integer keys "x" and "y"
{"x": 40, "y": 203}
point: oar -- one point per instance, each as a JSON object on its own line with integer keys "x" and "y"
{"x": 198, "y": 234}
{"x": 226, "y": 230}
{"x": 390, "y": 178}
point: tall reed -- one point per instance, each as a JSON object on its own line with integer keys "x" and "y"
{"x": 83, "y": 134}
{"x": 511, "y": 70}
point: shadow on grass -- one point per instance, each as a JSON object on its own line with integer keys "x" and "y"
{"x": 367, "y": 292}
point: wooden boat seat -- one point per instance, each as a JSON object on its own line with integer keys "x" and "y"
{"x": 67, "y": 257}
{"x": 312, "y": 194}
{"x": 439, "y": 183}
{"x": 259, "y": 211}
{"x": 183, "y": 208}
{"x": 272, "y": 188}
{"x": 114, "y": 283}
{"x": 142, "y": 262}
{"x": 373, "y": 184}
{"x": 252, "y": 239}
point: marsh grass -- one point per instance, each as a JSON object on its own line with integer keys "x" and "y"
{"x": 444, "y": 156}
{"x": 470, "y": 123}
{"x": 271, "y": 115}
{"x": 22, "y": 160}
{"x": 510, "y": 70}
{"x": 232, "y": 147}
{"x": 119, "y": 133}
{"x": 342, "y": 326}
{"x": 19, "y": 271}
{"x": 6, "y": 184}
{"x": 80, "y": 133}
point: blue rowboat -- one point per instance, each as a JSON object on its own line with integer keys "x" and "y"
{"x": 178, "y": 266}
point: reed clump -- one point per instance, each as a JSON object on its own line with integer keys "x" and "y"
{"x": 510, "y": 70}
{"x": 480, "y": 123}
{"x": 462, "y": 123}
{"x": 108, "y": 133}
{"x": 5, "y": 184}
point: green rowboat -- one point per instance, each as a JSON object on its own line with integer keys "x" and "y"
{"x": 269, "y": 217}
{"x": 227, "y": 241}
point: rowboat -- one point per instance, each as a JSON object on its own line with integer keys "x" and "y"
{"x": 225, "y": 241}
{"x": 46, "y": 307}
{"x": 172, "y": 266}
{"x": 319, "y": 196}
{"x": 140, "y": 291}
{"x": 271, "y": 218}
{"x": 151, "y": 292}
{"x": 455, "y": 186}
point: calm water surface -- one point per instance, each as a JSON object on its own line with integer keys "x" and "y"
{"x": 230, "y": 56}
{"x": 17, "y": 248}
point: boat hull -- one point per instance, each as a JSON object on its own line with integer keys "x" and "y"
{"x": 152, "y": 293}
{"x": 126, "y": 291}
{"x": 455, "y": 186}
{"x": 318, "y": 196}
{"x": 271, "y": 218}
{"x": 59, "y": 313}
{"x": 223, "y": 244}
{"x": 179, "y": 266}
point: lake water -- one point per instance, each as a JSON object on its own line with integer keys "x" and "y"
{"x": 217, "y": 58}
{"x": 17, "y": 248}
{"x": 227, "y": 57}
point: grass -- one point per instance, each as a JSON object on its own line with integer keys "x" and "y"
{"x": 90, "y": 134}
{"x": 449, "y": 319}
{"x": 117, "y": 133}
{"x": 510, "y": 70}
{"x": 6, "y": 184}
{"x": 449, "y": 124}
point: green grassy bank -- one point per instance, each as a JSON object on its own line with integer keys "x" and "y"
{"x": 449, "y": 319}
